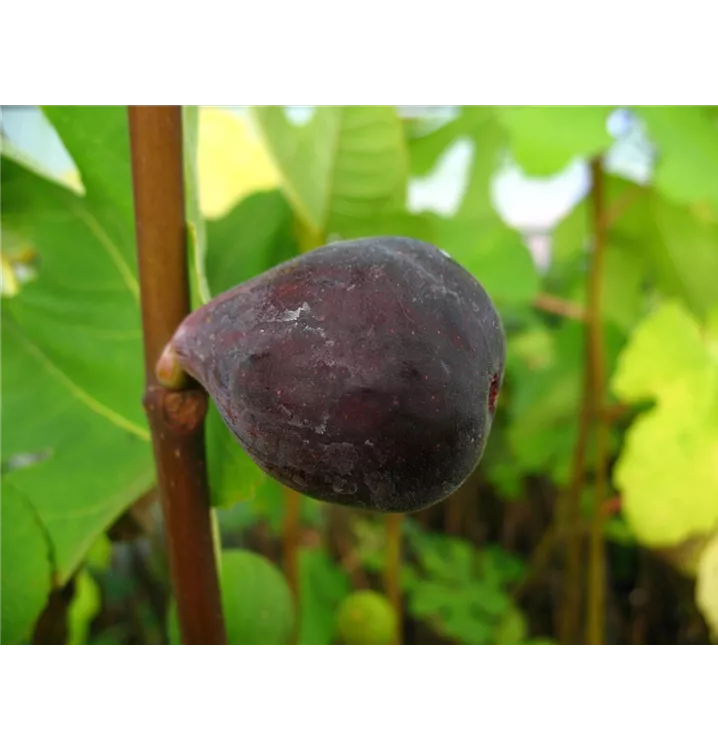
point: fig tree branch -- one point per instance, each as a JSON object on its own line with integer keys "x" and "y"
{"x": 392, "y": 573}
{"x": 176, "y": 418}
{"x": 596, "y": 559}
{"x": 556, "y": 306}
{"x": 290, "y": 540}
{"x": 569, "y": 519}
{"x": 611, "y": 214}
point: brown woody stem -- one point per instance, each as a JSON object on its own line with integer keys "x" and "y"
{"x": 175, "y": 417}
{"x": 561, "y": 307}
{"x": 596, "y": 558}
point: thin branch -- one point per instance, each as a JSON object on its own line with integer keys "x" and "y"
{"x": 392, "y": 573}
{"x": 557, "y": 306}
{"x": 570, "y": 517}
{"x": 596, "y": 560}
{"x": 453, "y": 514}
{"x": 52, "y": 627}
{"x": 176, "y": 417}
{"x": 613, "y": 413}
{"x": 291, "y": 533}
{"x": 541, "y": 555}
{"x": 341, "y": 542}
{"x": 619, "y": 207}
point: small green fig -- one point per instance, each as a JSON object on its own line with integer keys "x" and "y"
{"x": 366, "y": 618}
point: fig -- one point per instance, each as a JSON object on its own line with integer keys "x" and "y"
{"x": 366, "y": 618}
{"x": 363, "y": 373}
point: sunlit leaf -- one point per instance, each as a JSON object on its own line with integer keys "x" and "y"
{"x": 345, "y": 164}
{"x": 426, "y": 149}
{"x": 494, "y": 254}
{"x": 668, "y": 468}
{"x": 233, "y": 162}
{"x": 489, "y": 139}
{"x": 196, "y": 233}
{"x": 478, "y": 126}
{"x": 71, "y": 340}
{"x": 544, "y": 140}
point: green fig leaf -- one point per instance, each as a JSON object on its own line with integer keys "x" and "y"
{"x": 346, "y": 163}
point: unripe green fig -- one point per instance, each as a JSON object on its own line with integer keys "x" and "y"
{"x": 363, "y": 373}
{"x": 366, "y": 618}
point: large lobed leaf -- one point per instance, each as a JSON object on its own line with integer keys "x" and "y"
{"x": 71, "y": 343}
{"x": 75, "y": 441}
{"x": 668, "y": 468}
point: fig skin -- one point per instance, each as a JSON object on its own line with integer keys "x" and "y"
{"x": 363, "y": 373}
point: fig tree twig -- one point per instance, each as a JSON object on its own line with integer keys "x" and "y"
{"x": 392, "y": 573}
{"x": 596, "y": 558}
{"x": 611, "y": 214}
{"x": 569, "y": 519}
{"x": 561, "y": 307}
{"x": 176, "y": 417}
{"x": 291, "y": 533}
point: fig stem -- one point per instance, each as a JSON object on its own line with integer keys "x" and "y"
{"x": 169, "y": 371}
{"x": 561, "y": 307}
{"x": 175, "y": 417}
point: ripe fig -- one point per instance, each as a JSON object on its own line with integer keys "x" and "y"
{"x": 363, "y": 373}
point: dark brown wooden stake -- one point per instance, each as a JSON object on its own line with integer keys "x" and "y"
{"x": 176, "y": 418}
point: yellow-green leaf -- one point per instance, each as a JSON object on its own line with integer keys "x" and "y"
{"x": 668, "y": 469}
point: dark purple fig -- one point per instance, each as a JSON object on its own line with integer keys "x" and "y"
{"x": 363, "y": 373}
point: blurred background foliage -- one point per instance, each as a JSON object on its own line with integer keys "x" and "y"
{"x": 507, "y": 192}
